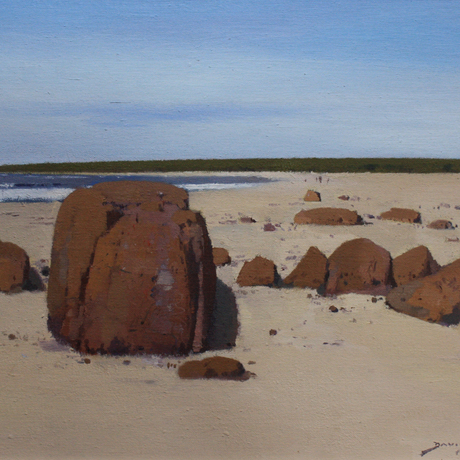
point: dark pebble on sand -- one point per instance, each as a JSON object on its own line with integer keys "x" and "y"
{"x": 333, "y": 309}
{"x": 273, "y": 332}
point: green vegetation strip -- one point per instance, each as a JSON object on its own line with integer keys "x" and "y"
{"x": 320, "y": 165}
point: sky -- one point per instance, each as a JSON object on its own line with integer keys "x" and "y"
{"x": 98, "y": 80}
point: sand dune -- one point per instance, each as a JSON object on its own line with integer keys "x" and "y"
{"x": 363, "y": 383}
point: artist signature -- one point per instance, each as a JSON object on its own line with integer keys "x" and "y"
{"x": 438, "y": 445}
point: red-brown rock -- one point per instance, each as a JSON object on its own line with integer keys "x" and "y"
{"x": 414, "y": 264}
{"x": 328, "y": 216}
{"x": 221, "y": 257}
{"x": 311, "y": 195}
{"x": 247, "y": 220}
{"x": 14, "y": 267}
{"x": 359, "y": 266}
{"x": 441, "y": 224}
{"x": 435, "y": 298}
{"x": 217, "y": 367}
{"x": 402, "y": 215}
{"x": 131, "y": 271}
{"x": 310, "y": 272}
{"x": 258, "y": 272}
{"x": 269, "y": 227}
{"x": 344, "y": 197}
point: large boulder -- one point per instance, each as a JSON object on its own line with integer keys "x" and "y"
{"x": 328, "y": 216}
{"x": 435, "y": 298}
{"x": 414, "y": 264}
{"x": 131, "y": 271}
{"x": 402, "y": 215}
{"x": 258, "y": 272}
{"x": 311, "y": 195}
{"x": 310, "y": 272}
{"x": 359, "y": 266}
{"x": 14, "y": 267}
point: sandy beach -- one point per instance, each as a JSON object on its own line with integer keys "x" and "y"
{"x": 363, "y": 383}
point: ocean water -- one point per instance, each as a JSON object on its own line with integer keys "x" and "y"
{"x": 39, "y": 188}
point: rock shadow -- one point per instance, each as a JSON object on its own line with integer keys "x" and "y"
{"x": 224, "y": 326}
{"x": 34, "y": 281}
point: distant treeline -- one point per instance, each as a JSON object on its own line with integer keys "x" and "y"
{"x": 320, "y": 165}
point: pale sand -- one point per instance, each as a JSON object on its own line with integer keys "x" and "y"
{"x": 385, "y": 386}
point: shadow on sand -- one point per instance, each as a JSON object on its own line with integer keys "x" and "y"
{"x": 224, "y": 324}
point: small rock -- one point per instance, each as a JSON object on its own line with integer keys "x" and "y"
{"x": 269, "y": 227}
{"x": 344, "y": 197}
{"x": 217, "y": 367}
{"x": 14, "y": 267}
{"x": 402, "y": 215}
{"x": 12, "y": 337}
{"x": 328, "y": 216}
{"x": 220, "y": 257}
{"x": 311, "y": 271}
{"x": 273, "y": 332}
{"x": 440, "y": 224}
{"x": 87, "y": 361}
{"x": 333, "y": 309}
{"x": 414, "y": 264}
{"x": 126, "y": 362}
{"x": 312, "y": 196}
{"x": 258, "y": 272}
{"x": 374, "y": 300}
{"x": 247, "y": 220}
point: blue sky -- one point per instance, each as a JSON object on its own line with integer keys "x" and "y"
{"x": 112, "y": 80}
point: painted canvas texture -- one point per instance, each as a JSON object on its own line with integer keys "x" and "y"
{"x": 315, "y": 361}
{"x": 229, "y": 229}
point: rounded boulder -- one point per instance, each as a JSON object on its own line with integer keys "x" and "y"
{"x": 359, "y": 266}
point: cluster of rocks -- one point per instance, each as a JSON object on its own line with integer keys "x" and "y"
{"x": 133, "y": 271}
{"x": 343, "y": 216}
{"x": 414, "y": 282}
